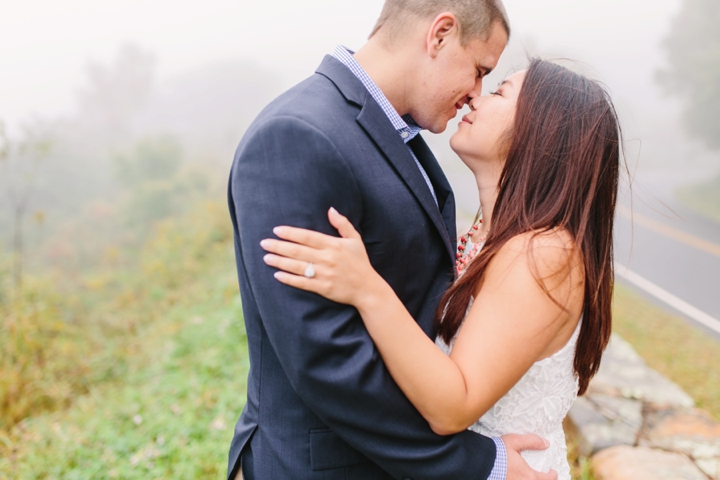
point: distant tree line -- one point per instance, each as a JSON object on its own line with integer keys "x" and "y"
{"x": 133, "y": 152}
{"x": 692, "y": 71}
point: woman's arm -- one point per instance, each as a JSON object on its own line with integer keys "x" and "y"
{"x": 512, "y": 322}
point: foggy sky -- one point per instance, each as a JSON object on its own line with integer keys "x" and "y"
{"x": 45, "y": 46}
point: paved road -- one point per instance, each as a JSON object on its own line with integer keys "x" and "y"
{"x": 672, "y": 256}
{"x": 667, "y": 253}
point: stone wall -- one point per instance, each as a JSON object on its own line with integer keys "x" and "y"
{"x": 638, "y": 425}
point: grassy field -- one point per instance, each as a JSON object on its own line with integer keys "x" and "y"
{"x": 169, "y": 418}
{"x": 168, "y": 407}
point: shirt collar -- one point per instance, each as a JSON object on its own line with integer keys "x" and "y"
{"x": 405, "y": 125}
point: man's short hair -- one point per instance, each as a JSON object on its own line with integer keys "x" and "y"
{"x": 476, "y": 18}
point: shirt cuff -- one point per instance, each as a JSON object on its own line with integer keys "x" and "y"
{"x": 499, "y": 471}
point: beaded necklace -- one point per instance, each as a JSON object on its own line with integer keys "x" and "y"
{"x": 467, "y": 249}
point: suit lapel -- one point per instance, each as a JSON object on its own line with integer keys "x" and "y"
{"x": 378, "y": 127}
{"x": 374, "y": 121}
{"x": 443, "y": 190}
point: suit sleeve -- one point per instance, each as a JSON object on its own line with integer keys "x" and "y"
{"x": 289, "y": 173}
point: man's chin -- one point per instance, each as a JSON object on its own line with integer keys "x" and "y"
{"x": 437, "y": 128}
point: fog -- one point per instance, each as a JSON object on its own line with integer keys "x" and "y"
{"x": 101, "y": 76}
{"x": 45, "y": 46}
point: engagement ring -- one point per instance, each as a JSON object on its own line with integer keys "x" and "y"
{"x": 310, "y": 271}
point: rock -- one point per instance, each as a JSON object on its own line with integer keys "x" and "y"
{"x": 619, "y": 410}
{"x": 624, "y": 374}
{"x": 711, "y": 467}
{"x": 642, "y": 463}
{"x": 601, "y": 421}
{"x": 583, "y": 413}
{"x": 692, "y": 432}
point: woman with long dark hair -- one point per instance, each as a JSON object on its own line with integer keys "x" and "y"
{"x": 522, "y": 329}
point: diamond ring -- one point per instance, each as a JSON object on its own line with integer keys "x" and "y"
{"x": 310, "y": 271}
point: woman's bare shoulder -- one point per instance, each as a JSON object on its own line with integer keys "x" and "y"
{"x": 549, "y": 254}
{"x": 555, "y": 245}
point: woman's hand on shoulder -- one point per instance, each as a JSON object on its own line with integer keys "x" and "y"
{"x": 342, "y": 269}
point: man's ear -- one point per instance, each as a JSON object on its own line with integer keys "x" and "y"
{"x": 443, "y": 29}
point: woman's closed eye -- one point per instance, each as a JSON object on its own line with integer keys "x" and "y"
{"x": 496, "y": 93}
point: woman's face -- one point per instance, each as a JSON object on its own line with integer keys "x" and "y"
{"x": 481, "y": 132}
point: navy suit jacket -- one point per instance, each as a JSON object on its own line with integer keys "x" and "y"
{"x": 320, "y": 401}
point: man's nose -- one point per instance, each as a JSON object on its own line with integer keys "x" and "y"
{"x": 476, "y": 90}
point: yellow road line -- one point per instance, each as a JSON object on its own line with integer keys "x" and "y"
{"x": 670, "y": 232}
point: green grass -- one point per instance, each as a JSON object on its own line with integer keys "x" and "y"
{"x": 579, "y": 465}
{"x": 130, "y": 371}
{"x": 704, "y": 198}
{"x": 671, "y": 346}
{"x": 171, "y": 416}
{"x": 66, "y": 332}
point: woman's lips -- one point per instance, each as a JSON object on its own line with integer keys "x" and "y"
{"x": 466, "y": 119}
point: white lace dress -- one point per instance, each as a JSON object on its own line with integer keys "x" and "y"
{"x": 536, "y": 404}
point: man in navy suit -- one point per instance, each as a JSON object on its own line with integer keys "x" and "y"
{"x": 320, "y": 402}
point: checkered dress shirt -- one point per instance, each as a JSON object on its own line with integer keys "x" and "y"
{"x": 405, "y": 126}
{"x": 408, "y": 129}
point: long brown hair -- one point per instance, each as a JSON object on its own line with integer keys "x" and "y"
{"x": 561, "y": 172}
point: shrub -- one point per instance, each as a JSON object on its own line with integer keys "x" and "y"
{"x": 61, "y": 336}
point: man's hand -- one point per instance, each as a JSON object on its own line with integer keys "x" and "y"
{"x": 517, "y": 467}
